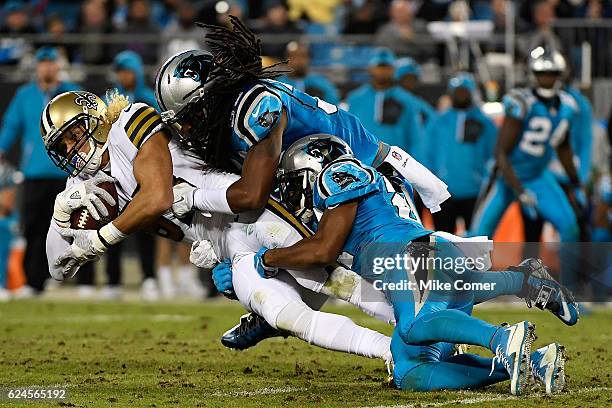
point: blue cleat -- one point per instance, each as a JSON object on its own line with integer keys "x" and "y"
{"x": 512, "y": 345}
{"x": 251, "y": 330}
{"x": 543, "y": 291}
{"x": 548, "y": 367}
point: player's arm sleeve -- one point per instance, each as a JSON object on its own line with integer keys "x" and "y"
{"x": 11, "y": 124}
{"x": 343, "y": 181}
{"x": 144, "y": 123}
{"x": 56, "y": 245}
{"x": 514, "y": 105}
{"x": 258, "y": 112}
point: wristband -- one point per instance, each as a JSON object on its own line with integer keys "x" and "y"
{"x": 212, "y": 199}
{"x": 110, "y": 235}
{"x": 61, "y": 217}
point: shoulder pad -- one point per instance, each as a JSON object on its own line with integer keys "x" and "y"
{"x": 257, "y": 113}
{"x": 344, "y": 180}
{"x": 140, "y": 122}
{"x": 517, "y": 103}
{"x": 569, "y": 100}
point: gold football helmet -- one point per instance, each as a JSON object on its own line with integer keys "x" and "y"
{"x": 74, "y": 129}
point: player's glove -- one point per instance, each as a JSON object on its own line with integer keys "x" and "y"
{"x": 222, "y": 278}
{"x": 87, "y": 245}
{"x": 529, "y": 203}
{"x": 264, "y": 270}
{"x": 184, "y": 200}
{"x": 85, "y": 194}
{"x": 203, "y": 255}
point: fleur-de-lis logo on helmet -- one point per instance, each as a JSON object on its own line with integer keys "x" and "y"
{"x": 86, "y": 99}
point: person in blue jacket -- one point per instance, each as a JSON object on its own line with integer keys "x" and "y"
{"x": 43, "y": 180}
{"x": 407, "y": 74}
{"x": 384, "y": 108}
{"x": 130, "y": 79}
{"x": 459, "y": 143}
{"x": 298, "y": 60}
{"x": 8, "y": 220}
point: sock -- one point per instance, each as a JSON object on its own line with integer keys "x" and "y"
{"x": 451, "y": 326}
{"x": 331, "y": 331}
{"x": 505, "y": 283}
{"x": 186, "y": 273}
{"x": 164, "y": 274}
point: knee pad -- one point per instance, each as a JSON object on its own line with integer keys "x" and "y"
{"x": 296, "y": 318}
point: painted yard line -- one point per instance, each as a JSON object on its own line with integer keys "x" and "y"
{"x": 490, "y": 398}
{"x": 261, "y": 391}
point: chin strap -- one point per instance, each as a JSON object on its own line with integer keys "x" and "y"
{"x": 93, "y": 160}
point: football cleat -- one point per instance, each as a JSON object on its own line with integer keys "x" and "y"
{"x": 512, "y": 347}
{"x": 548, "y": 367}
{"x": 543, "y": 291}
{"x": 251, "y": 330}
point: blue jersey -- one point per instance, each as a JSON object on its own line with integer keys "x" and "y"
{"x": 545, "y": 126}
{"x": 382, "y": 214}
{"x": 258, "y": 110}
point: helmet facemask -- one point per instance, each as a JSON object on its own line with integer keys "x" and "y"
{"x": 76, "y": 159}
{"x": 295, "y": 190}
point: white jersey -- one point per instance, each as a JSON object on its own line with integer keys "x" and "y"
{"x": 231, "y": 236}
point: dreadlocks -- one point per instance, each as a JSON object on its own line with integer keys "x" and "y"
{"x": 237, "y": 64}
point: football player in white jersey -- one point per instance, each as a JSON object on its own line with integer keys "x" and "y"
{"x": 91, "y": 140}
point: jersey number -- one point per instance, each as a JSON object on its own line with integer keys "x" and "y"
{"x": 401, "y": 203}
{"x": 534, "y": 140}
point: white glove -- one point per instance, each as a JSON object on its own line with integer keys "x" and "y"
{"x": 85, "y": 194}
{"x": 86, "y": 246}
{"x": 184, "y": 200}
{"x": 529, "y": 202}
{"x": 203, "y": 255}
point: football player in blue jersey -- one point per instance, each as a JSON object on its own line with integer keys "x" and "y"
{"x": 235, "y": 116}
{"x": 536, "y": 122}
{"x": 360, "y": 218}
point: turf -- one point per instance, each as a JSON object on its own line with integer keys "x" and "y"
{"x": 163, "y": 355}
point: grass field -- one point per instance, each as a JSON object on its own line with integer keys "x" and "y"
{"x": 141, "y": 355}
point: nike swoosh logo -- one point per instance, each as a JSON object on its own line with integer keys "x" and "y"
{"x": 566, "y": 313}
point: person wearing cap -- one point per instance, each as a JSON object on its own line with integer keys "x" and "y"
{"x": 15, "y": 23}
{"x": 459, "y": 143}
{"x": 298, "y": 59}
{"x": 42, "y": 179}
{"x": 407, "y": 74}
{"x": 384, "y": 108}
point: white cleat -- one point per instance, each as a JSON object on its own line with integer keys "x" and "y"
{"x": 109, "y": 293}
{"x": 548, "y": 367}
{"x": 149, "y": 291}
{"x": 513, "y": 351}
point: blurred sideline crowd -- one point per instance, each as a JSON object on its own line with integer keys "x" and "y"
{"x": 453, "y": 135}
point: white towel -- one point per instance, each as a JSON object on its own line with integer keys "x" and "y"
{"x": 432, "y": 190}
{"x": 474, "y": 248}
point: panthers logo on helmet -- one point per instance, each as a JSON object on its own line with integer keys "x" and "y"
{"x": 344, "y": 179}
{"x": 86, "y": 99}
{"x": 194, "y": 67}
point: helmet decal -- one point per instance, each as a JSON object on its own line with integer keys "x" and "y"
{"x": 195, "y": 67}
{"x": 86, "y": 99}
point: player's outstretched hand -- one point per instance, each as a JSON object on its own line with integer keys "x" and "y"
{"x": 86, "y": 246}
{"x": 264, "y": 270}
{"x": 222, "y": 278}
{"x": 203, "y": 255}
{"x": 84, "y": 194}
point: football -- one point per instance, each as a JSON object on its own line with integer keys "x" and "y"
{"x": 82, "y": 219}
